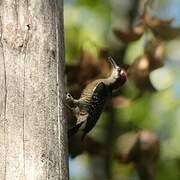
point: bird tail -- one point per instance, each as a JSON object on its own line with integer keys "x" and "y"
{"x": 74, "y": 130}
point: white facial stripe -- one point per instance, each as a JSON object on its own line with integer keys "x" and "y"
{"x": 122, "y": 72}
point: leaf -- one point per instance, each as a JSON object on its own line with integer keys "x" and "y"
{"x": 161, "y": 29}
{"x": 138, "y": 147}
{"x": 132, "y": 35}
{"x": 140, "y": 69}
{"x": 139, "y": 72}
{"x": 124, "y": 146}
{"x": 85, "y": 70}
{"x": 154, "y": 50}
{"x": 78, "y": 75}
{"x": 154, "y": 21}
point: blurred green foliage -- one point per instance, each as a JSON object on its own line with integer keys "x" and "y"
{"x": 88, "y": 25}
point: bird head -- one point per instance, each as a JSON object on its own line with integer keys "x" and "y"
{"x": 118, "y": 75}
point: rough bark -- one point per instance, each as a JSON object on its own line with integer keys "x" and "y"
{"x": 32, "y": 121}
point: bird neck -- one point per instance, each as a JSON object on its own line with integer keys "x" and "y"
{"x": 115, "y": 80}
{"x": 113, "y": 77}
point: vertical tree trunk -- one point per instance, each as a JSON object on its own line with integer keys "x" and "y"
{"x": 32, "y": 125}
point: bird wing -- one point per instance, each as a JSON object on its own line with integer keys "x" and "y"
{"x": 87, "y": 116}
{"x": 99, "y": 97}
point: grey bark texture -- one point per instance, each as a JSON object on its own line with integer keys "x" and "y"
{"x": 33, "y": 141}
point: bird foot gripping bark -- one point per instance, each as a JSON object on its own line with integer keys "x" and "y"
{"x": 71, "y": 101}
{"x": 72, "y": 104}
{"x": 69, "y": 97}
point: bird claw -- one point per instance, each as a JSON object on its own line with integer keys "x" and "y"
{"x": 69, "y": 100}
{"x": 69, "y": 97}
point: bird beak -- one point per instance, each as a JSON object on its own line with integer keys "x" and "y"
{"x": 113, "y": 63}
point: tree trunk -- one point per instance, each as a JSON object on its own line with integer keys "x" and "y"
{"x": 33, "y": 142}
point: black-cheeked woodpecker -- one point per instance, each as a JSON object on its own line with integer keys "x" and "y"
{"x": 88, "y": 108}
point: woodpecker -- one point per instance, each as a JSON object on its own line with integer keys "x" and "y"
{"x": 88, "y": 108}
